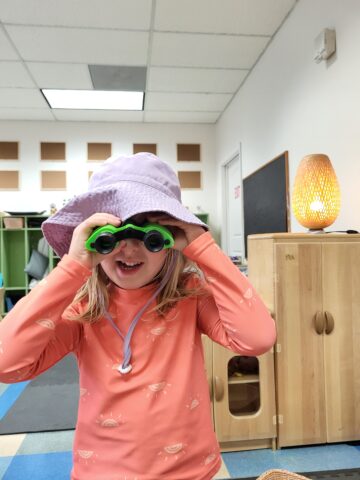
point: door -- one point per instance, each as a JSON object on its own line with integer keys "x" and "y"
{"x": 299, "y": 358}
{"x": 233, "y": 225}
{"x": 341, "y": 302}
{"x": 244, "y": 396}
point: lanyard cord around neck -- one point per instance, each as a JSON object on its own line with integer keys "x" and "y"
{"x": 126, "y": 365}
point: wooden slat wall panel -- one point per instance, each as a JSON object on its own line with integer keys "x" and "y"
{"x": 53, "y": 151}
{"x": 145, "y": 147}
{"x": 9, "y": 180}
{"x": 9, "y": 150}
{"x": 53, "y": 180}
{"x": 189, "y": 179}
{"x": 188, "y": 152}
{"x": 99, "y": 151}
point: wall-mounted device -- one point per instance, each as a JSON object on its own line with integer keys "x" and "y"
{"x": 325, "y": 45}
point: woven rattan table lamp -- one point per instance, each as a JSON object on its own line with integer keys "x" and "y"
{"x": 316, "y": 194}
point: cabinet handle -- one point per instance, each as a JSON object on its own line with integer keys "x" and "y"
{"x": 319, "y": 322}
{"x": 210, "y": 388}
{"x": 219, "y": 389}
{"x": 329, "y": 322}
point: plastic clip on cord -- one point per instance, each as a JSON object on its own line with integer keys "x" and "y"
{"x": 126, "y": 365}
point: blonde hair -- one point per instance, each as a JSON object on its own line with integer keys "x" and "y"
{"x": 94, "y": 293}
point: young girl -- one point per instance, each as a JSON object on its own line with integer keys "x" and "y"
{"x": 134, "y": 320}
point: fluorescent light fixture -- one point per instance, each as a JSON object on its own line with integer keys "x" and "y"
{"x": 94, "y": 99}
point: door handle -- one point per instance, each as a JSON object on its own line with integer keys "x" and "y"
{"x": 219, "y": 389}
{"x": 329, "y": 322}
{"x": 319, "y": 322}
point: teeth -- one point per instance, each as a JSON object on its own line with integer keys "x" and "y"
{"x": 128, "y": 264}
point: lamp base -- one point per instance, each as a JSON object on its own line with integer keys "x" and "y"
{"x": 316, "y": 230}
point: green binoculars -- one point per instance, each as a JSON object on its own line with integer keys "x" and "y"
{"x": 104, "y": 239}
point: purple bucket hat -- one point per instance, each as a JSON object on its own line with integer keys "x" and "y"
{"x": 123, "y": 186}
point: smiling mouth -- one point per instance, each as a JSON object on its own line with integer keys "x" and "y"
{"x": 129, "y": 266}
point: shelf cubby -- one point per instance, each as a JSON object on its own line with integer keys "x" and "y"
{"x": 16, "y": 245}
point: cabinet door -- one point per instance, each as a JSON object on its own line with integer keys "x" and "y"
{"x": 244, "y": 404}
{"x": 341, "y": 298}
{"x": 299, "y": 357}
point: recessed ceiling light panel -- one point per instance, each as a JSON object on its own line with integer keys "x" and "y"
{"x": 94, "y": 99}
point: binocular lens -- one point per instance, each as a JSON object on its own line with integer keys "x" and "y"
{"x": 154, "y": 241}
{"x": 105, "y": 243}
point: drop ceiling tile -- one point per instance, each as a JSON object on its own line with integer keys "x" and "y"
{"x": 109, "y": 47}
{"x": 14, "y": 74}
{"x": 26, "y": 114}
{"x": 7, "y": 51}
{"x": 22, "y": 98}
{"x": 98, "y": 115}
{"x": 195, "y": 80}
{"x": 260, "y": 17}
{"x": 60, "y": 75}
{"x": 181, "y": 117}
{"x": 224, "y": 51}
{"x": 114, "y": 77}
{"x": 184, "y": 102}
{"x": 135, "y": 14}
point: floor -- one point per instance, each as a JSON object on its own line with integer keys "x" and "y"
{"x": 44, "y": 456}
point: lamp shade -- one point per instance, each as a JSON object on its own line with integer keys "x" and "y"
{"x": 316, "y": 194}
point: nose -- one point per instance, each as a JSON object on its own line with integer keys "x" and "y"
{"x": 129, "y": 245}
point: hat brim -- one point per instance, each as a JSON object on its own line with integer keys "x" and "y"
{"x": 124, "y": 200}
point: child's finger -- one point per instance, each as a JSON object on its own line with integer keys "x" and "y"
{"x": 155, "y": 217}
{"x": 101, "y": 219}
{"x": 165, "y": 220}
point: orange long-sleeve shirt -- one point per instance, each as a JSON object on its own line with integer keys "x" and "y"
{"x": 153, "y": 423}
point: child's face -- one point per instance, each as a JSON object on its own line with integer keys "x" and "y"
{"x": 131, "y": 265}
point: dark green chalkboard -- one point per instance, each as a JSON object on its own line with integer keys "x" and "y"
{"x": 266, "y": 198}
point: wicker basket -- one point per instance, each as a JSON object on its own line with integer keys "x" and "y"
{"x": 281, "y": 475}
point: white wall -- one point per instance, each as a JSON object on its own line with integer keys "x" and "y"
{"x": 122, "y": 136}
{"x": 289, "y": 102}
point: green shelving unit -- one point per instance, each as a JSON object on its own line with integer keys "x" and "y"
{"x": 16, "y": 245}
{"x": 204, "y": 217}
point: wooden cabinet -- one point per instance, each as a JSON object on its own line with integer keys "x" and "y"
{"x": 243, "y": 398}
{"x": 312, "y": 283}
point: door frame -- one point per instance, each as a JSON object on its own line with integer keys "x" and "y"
{"x": 224, "y": 223}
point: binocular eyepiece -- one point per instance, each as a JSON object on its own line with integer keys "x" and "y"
{"x": 155, "y": 237}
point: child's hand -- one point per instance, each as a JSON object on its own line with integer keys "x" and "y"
{"x": 184, "y": 233}
{"x": 83, "y": 231}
